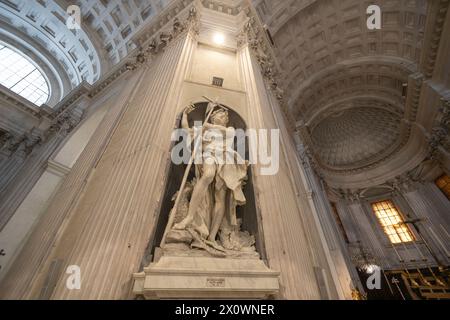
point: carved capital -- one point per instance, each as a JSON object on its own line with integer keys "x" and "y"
{"x": 253, "y": 36}
{"x": 12, "y": 143}
{"x": 439, "y": 136}
{"x": 164, "y": 38}
{"x": 193, "y": 21}
{"x": 65, "y": 123}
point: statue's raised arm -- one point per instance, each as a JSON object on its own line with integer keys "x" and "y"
{"x": 185, "y": 120}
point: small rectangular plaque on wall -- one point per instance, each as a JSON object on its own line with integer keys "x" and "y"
{"x": 215, "y": 282}
{"x": 218, "y": 82}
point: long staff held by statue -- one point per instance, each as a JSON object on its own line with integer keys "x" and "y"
{"x": 186, "y": 174}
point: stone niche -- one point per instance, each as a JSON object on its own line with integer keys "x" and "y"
{"x": 184, "y": 266}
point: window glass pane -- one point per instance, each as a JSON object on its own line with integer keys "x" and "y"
{"x": 19, "y": 74}
{"x": 391, "y": 222}
{"x": 443, "y": 183}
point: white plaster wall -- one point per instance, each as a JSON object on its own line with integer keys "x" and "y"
{"x": 212, "y": 62}
{"x": 194, "y": 92}
{"x": 72, "y": 149}
{"x": 14, "y": 234}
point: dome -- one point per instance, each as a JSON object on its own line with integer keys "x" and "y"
{"x": 355, "y": 135}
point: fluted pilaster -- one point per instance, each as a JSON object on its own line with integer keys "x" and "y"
{"x": 292, "y": 242}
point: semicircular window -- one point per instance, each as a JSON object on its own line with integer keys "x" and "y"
{"x": 19, "y": 74}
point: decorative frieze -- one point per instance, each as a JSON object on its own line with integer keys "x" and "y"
{"x": 11, "y": 143}
{"x": 19, "y": 145}
{"x": 439, "y": 137}
{"x": 253, "y": 35}
{"x": 164, "y": 37}
{"x": 65, "y": 124}
{"x": 406, "y": 182}
{"x": 19, "y": 102}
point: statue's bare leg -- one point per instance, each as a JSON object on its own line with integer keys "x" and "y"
{"x": 219, "y": 212}
{"x": 200, "y": 188}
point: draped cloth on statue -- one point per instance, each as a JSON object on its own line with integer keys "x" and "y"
{"x": 225, "y": 192}
{"x": 231, "y": 173}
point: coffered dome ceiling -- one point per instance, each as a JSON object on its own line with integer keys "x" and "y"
{"x": 348, "y": 137}
{"x": 115, "y": 22}
{"x": 345, "y": 84}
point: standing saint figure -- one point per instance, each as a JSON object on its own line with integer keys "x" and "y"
{"x": 217, "y": 188}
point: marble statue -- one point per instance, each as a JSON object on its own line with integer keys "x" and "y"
{"x": 204, "y": 216}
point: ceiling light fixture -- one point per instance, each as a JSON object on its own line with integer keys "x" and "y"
{"x": 219, "y": 39}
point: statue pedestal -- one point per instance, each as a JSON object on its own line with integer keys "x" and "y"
{"x": 181, "y": 277}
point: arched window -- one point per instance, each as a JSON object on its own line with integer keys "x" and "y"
{"x": 19, "y": 74}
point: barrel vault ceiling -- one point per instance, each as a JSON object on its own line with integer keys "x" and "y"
{"x": 346, "y": 85}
